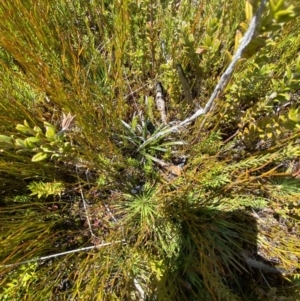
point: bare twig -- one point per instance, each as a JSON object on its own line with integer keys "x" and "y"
{"x": 173, "y": 169}
{"x": 139, "y": 289}
{"x": 262, "y": 266}
{"x": 64, "y": 253}
{"x": 160, "y": 102}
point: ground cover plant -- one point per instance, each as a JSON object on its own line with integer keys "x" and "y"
{"x": 149, "y": 150}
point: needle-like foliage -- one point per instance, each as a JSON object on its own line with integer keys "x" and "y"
{"x": 103, "y": 197}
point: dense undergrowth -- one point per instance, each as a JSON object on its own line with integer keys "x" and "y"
{"x": 207, "y": 212}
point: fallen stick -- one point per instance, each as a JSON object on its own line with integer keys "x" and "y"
{"x": 160, "y": 102}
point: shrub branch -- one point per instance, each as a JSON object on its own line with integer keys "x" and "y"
{"x": 224, "y": 80}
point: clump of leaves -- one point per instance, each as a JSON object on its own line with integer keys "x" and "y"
{"x": 50, "y": 144}
{"x": 138, "y": 140}
{"x": 45, "y": 189}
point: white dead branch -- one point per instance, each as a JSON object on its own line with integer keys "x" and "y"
{"x": 160, "y": 102}
{"x": 64, "y": 253}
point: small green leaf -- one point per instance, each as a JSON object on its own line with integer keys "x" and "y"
{"x": 24, "y": 129}
{"x": 22, "y": 151}
{"x": 276, "y": 6}
{"x": 128, "y": 128}
{"x": 47, "y": 149}
{"x": 248, "y": 11}
{"x": 50, "y": 132}
{"x": 288, "y": 73}
{"x": 55, "y": 156}
{"x": 286, "y": 15}
{"x": 294, "y": 115}
{"x": 39, "y": 157}
{"x": 20, "y": 143}
{"x": 6, "y": 139}
{"x": 228, "y": 56}
{"x": 47, "y": 124}
{"x": 207, "y": 41}
{"x": 37, "y": 129}
{"x": 6, "y": 142}
{"x": 40, "y": 135}
{"x": 31, "y": 141}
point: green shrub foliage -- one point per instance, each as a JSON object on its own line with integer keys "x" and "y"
{"x": 105, "y": 196}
